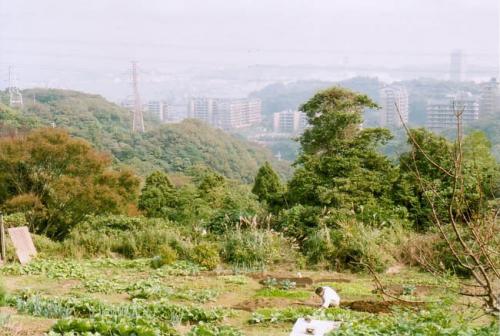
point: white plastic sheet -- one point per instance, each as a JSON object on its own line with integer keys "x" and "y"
{"x": 306, "y": 327}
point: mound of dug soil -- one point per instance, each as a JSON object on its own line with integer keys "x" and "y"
{"x": 420, "y": 290}
{"x": 377, "y": 307}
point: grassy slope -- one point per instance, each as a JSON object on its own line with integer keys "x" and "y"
{"x": 172, "y": 147}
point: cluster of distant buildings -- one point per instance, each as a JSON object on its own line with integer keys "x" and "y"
{"x": 441, "y": 112}
{"x": 232, "y": 114}
{"x": 224, "y": 113}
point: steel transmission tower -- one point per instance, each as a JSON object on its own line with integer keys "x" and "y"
{"x": 15, "y": 96}
{"x": 138, "y": 119}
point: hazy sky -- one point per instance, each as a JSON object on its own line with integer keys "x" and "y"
{"x": 81, "y": 37}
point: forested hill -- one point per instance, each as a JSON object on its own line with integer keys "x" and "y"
{"x": 172, "y": 147}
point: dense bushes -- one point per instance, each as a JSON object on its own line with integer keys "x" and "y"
{"x": 337, "y": 239}
{"x": 257, "y": 248}
{"x": 419, "y": 175}
{"x": 142, "y": 237}
{"x": 131, "y": 237}
{"x": 350, "y": 246}
{"x": 207, "y": 199}
{"x": 206, "y": 255}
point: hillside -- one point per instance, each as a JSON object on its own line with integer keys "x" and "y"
{"x": 176, "y": 147}
{"x": 173, "y": 147}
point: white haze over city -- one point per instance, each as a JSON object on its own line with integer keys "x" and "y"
{"x": 191, "y": 44}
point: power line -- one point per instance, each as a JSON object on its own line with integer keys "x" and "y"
{"x": 15, "y": 96}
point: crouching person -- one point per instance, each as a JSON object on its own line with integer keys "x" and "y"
{"x": 329, "y": 297}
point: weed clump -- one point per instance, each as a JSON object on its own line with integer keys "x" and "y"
{"x": 167, "y": 256}
{"x": 348, "y": 246}
{"x": 3, "y": 294}
{"x": 206, "y": 255}
{"x": 129, "y": 237}
{"x": 255, "y": 248}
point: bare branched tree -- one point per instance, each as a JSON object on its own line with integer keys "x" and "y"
{"x": 470, "y": 232}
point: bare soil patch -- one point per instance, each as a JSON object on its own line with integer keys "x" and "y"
{"x": 254, "y": 304}
{"x": 378, "y": 307}
{"x": 420, "y": 290}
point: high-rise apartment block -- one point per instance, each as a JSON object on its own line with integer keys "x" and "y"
{"x": 158, "y": 109}
{"x": 289, "y": 122}
{"x": 202, "y": 109}
{"x": 226, "y": 113}
{"x": 442, "y": 114}
{"x": 489, "y": 104}
{"x": 392, "y": 99}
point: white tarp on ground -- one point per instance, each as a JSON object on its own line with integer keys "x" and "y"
{"x": 307, "y": 327}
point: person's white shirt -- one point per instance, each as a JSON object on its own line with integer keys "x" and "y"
{"x": 330, "y": 297}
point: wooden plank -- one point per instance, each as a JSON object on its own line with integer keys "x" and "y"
{"x": 23, "y": 244}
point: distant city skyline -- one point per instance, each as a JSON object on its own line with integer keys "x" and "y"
{"x": 89, "y": 45}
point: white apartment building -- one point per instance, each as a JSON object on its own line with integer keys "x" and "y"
{"x": 226, "y": 113}
{"x": 158, "y": 109}
{"x": 489, "y": 103}
{"x": 390, "y": 96}
{"x": 201, "y": 109}
{"x": 289, "y": 122}
{"x": 441, "y": 114}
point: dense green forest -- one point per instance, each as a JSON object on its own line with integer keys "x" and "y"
{"x": 173, "y": 147}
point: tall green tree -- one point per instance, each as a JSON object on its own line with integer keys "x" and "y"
{"x": 58, "y": 180}
{"x": 408, "y": 191}
{"x": 157, "y": 195}
{"x": 339, "y": 166}
{"x": 268, "y": 187}
{"x": 429, "y": 164}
